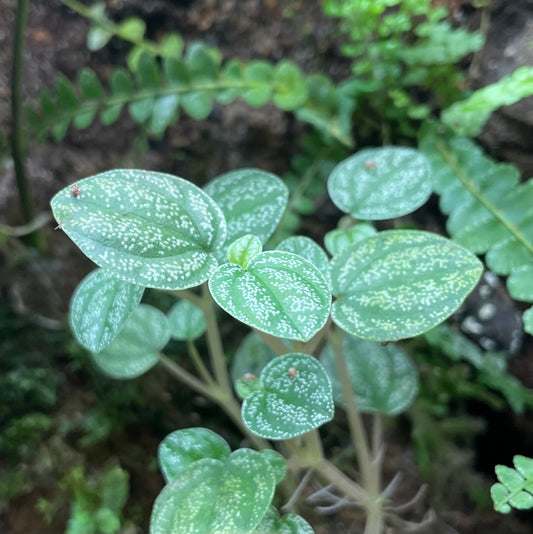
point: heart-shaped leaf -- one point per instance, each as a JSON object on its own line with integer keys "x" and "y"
{"x": 383, "y": 378}
{"x": 184, "y": 447}
{"x": 136, "y": 349}
{"x": 147, "y": 228}
{"x": 381, "y": 183}
{"x": 252, "y": 201}
{"x": 228, "y": 497}
{"x": 100, "y": 306}
{"x": 295, "y": 398}
{"x": 280, "y": 293}
{"x": 400, "y": 283}
{"x": 186, "y": 321}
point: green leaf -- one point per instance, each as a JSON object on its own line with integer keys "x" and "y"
{"x": 252, "y": 201}
{"x": 381, "y": 183}
{"x": 515, "y": 489}
{"x": 171, "y": 45}
{"x": 259, "y": 76}
{"x": 400, "y": 283}
{"x": 338, "y": 239}
{"x": 295, "y": 398}
{"x": 469, "y": 116}
{"x": 280, "y": 294}
{"x": 383, "y": 378}
{"x": 277, "y": 463}
{"x": 184, "y": 447}
{"x": 232, "y": 73}
{"x": 228, "y": 497}
{"x": 99, "y": 308}
{"x": 243, "y": 249}
{"x": 164, "y": 112}
{"x": 176, "y": 72}
{"x": 289, "y": 90}
{"x": 136, "y": 349}
{"x": 131, "y": 29}
{"x": 97, "y": 38}
{"x": 307, "y": 249}
{"x": 66, "y": 97}
{"x": 287, "y": 524}
{"x": 520, "y": 283}
{"x": 91, "y": 88}
{"x": 147, "y": 228}
{"x": 197, "y": 104}
{"x": 186, "y": 321}
{"x": 113, "y": 489}
{"x": 251, "y": 357}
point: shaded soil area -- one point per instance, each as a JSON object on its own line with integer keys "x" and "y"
{"x": 36, "y": 290}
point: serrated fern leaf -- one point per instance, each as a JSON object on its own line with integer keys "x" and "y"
{"x": 155, "y": 92}
{"x": 489, "y": 211}
{"x": 515, "y": 486}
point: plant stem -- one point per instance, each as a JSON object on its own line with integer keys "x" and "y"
{"x": 275, "y": 343}
{"x": 217, "y": 395}
{"x": 214, "y": 343}
{"x": 36, "y": 238}
{"x": 369, "y": 465}
{"x": 199, "y": 364}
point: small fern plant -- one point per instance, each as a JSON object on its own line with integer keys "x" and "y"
{"x": 515, "y": 486}
{"x": 303, "y": 355}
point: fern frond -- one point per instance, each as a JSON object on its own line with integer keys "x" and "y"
{"x": 155, "y": 93}
{"x": 489, "y": 211}
{"x": 515, "y": 486}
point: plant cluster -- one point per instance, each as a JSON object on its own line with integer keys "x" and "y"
{"x": 325, "y": 324}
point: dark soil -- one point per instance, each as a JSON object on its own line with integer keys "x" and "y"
{"x": 36, "y": 291}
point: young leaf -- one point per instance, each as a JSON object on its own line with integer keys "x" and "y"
{"x": 252, "y": 201}
{"x": 515, "y": 489}
{"x": 337, "y": 240}
{"x": 99, "y": 308}
{"x": 147, "y": 228}
{"x": 251, "y": 357}
{"x": 277, "y": 463}
{"x": 400, "y": 283}
{"x": 383, "y": 378}
{"x": 184, "y": 447}
{"x": 136, "y": 349}
{"x": 228, "y": 497}
{"x": 381, "y": 183}
{"x": 243, "y": 249}
{"x": 280, "y": 294}
{"x": 295, "y": 398}
{"x": 186, "y": 321}
{"x": 97, "y": 38}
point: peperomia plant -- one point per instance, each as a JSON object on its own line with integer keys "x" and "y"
{"x": 317, "y": 321}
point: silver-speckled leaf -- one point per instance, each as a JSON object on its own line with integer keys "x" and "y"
{"x": 296, "y": 397}
{"x": 287, "y": 524}
{"x": 136, "y": 349}
{"x": 147, "y": 228}
{"x": 400, "y": 283}
{"x": 253, "y": 202}
{"x": 308, "y": 249}
{"x": 280, "y": 293}
{"x": 337, "y": 240}
{"x": 184, "y": 447}
{"x": 251, "y": 356}
{"x": 381, "y": 183}
{"x": 383, "y": 378}
{"x": 186, "y": 321}
{"x": 99, "y": 308}
{"x": 228, "y": 497}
